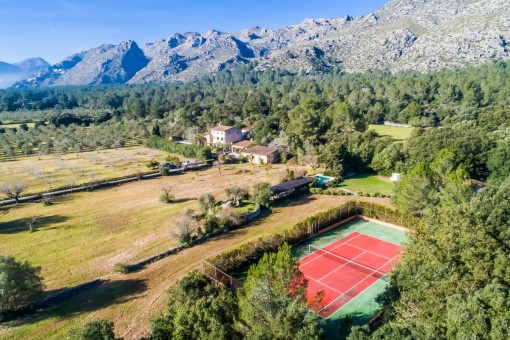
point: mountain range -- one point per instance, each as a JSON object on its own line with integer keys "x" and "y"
{"x": 420, "y": 35}
{"x": 12, "y": 73}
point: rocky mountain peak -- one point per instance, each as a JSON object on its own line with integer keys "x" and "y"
{"x": 420, "y": 35}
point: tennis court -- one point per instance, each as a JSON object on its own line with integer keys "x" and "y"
{"x": 346, "y": 267}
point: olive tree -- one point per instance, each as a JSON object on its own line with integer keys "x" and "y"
{"x": 13, "y": 189}
{"x": 236, "y": 194}
{"x": 182, "y": 228}
{"x": 206, "y": 202}
{"x": 261, "y": 193}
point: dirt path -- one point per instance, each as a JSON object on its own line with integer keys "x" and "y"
{"x": 131, "y": 301}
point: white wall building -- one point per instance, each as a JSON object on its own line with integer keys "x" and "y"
{"x": 224, "y": 135}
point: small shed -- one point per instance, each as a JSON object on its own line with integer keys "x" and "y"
{"x": 395, "y": 177}
{"x": 287, "y": 188}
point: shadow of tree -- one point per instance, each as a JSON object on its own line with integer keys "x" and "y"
{"x": 182, "y": 200}
{"x": 107, "y": 294}
{"x": 20, "y": 225}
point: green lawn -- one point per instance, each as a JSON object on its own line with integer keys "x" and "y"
{"x": 246, "y": 207}
{"x": 16, "y": 126}
{"x": 368, "y": 184}
{"x": 395, "y": 132}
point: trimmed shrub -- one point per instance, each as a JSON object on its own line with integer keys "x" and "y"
{"x": 187, "y": 150}
{"x": 163, "y": 198}
{"x": 121, "y": 268}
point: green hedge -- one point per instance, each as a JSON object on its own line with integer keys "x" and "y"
{"x": 187, "y": 150}
{"x": 247, "y": 254}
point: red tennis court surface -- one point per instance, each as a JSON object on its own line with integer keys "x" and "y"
{"x": 345, "y": 268}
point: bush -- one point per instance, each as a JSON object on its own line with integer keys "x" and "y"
{"x": 316, "y": 191}
{"x": 206, "y": 202}
{"x": 153, "y": 164}
{"x": 164, "y": 171}
{"x": 21, "y": 285}
{"x": 121, "y": 268}
{"x": 47, "y": 201}
{"x": 182, "y": 229}
{"x": 211, "y": 223}
{"x": 187, "y": 150}
{"x": 95, "y": 330}
{"x": 261, "y": 194}
{"x": 229, "y": 217}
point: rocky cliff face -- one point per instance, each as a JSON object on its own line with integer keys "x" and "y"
{"x": 404, "y": 34}
{"x": 106, "y": 64}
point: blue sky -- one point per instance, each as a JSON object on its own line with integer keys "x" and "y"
{"x": 55, "y": 29}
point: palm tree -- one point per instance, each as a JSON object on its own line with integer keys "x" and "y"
{"x": 199, "y": 139}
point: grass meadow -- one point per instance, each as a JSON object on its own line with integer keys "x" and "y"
{"x": 396, "y": 132}
{"x": 132, "y": 300}
{"x": 82, "y": 236}
{"x": 50, "y": 172}
{"x": 369, "y": 184}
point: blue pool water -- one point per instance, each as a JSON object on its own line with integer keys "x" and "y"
{"x": 323, "y": 179}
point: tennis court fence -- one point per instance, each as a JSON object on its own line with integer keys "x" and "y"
{"x": 220, "y": 277}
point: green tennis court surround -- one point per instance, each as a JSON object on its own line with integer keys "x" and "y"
{"x": 350, "y": 286}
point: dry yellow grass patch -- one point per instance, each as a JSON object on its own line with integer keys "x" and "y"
{"x": 132, "y": 300}
{"x": 51, "y": 172}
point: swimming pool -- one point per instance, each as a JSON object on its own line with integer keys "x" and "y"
{"x": 321, "y": 179}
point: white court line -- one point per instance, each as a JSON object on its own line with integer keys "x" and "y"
{"x": 355, "y": 286}
{"x": 325, "y": 285}
{"x": 378, "y": 239}
{"x": 331, "y": 272}
{"x": 304, "y": 264}
{"x": 368, "y": 251}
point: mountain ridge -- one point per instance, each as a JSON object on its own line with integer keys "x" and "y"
{"x": 420, "y": 35}
{"x": 12, "y": 73}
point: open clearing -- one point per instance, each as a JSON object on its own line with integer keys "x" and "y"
{"x": 368, "y": 184}
{"x": 50, "y": 172}
{"x": 132, "y": 300}
{"x": 16, "y": 126}
{"x": 396, "y": 132}
{"x": 83, "y": 235}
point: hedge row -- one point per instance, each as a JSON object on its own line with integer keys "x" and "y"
{"x": 237, "y": 259}
{"x": 127, "y": 268}
{"x": 186, "y": 150}
{"x": 97, "y": 184}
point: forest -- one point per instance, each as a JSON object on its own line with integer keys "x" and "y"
{"x": 320, "y": 117}
{"x": 454, "y": 278}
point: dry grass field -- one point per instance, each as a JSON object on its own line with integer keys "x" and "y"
{"x": 82, "y": 236}
{"x": 49, "y": 172}
{"x": 132, "y": 300}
